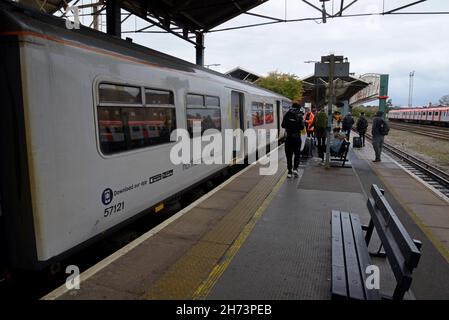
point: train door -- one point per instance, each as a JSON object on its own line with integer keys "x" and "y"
{"x": 278, "y": 116}
{"x": 238, "y": 120}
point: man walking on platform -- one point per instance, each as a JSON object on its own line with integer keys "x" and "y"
{"x": 379, "y": 130}
{"x": 293, "y": 123}
{"x": 320, "y": 124}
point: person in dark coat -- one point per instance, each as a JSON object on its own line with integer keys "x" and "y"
{"x": 362, "y": 126}
{"x": 379, "y": 130}
{"x": 320, "y": 124}
{"x": 348, "y": 122}
{"x": 293, "y": 123}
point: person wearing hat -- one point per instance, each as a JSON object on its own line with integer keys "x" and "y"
{"x": 293, "y": 123}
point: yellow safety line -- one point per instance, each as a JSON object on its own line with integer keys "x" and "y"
{"x": 204, "y": 289}
{"x": 442, "y": 249}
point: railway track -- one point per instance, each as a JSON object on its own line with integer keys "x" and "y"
{"x": 429, "y": 131}
{"x": 430, "y": 174}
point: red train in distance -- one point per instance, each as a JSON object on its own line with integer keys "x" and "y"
{"x": 431, "y": 115}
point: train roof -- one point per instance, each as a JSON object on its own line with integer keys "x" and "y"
{"x": 17, "y": 19}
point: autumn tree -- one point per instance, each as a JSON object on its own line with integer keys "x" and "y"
{"x": 285, "y": 84}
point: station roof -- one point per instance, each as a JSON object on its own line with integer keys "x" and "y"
{"x": 243, "y": 74}
{"x": 195, "y": 15}
{"x": 345, "y": 87}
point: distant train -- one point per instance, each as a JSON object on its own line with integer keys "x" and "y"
{"x": 434, "y": 115}
{"x": 85, "y": 131}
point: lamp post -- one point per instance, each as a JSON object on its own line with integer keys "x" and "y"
{"x": 212, "y": 65}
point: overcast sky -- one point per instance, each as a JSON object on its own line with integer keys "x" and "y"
{"x": 395, "y": 45}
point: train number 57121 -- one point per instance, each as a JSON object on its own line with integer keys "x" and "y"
{"x": 114, "y": 209}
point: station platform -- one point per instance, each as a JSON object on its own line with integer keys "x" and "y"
{"x": 268, "y": 238}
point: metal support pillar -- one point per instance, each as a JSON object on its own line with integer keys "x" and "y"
{"x": 113, "y": 18}
{"x": 383, "y": 93}
{"x": 345, "y": 108}
{"x": 199, "y": 49}
{"x": 330, "y": 98}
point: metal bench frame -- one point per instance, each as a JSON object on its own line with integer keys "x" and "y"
{"x": 342, "y": 155}
{"x": 350, "y": 255}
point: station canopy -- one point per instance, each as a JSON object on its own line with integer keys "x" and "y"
{"x": 191, "y": 15}
{"x": 242, "y": 74}
{"x": 315, "y": 89}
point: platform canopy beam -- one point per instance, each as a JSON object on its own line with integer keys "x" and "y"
{"x": 113, "y": 18}
{"x": 199, "y": 47}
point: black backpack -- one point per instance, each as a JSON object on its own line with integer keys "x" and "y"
{"x": 363, "y": 124}
{"x": 384, "y": 128}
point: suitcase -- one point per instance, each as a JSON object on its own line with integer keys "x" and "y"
{"x": 356, "y": 142}
{"x": 308, "y": 148}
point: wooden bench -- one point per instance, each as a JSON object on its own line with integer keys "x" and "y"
{"x": 350, "y": 256}
{"x": 342, "y": 155}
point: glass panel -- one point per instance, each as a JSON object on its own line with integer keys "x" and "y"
{"x": 269, "y": 118}
{"x": 128, "y": 128}
{"x": 195, "y": 100}
{"x": 285, "y": 107}
{"x": 257, "y": 113}
{"x": 212, "y": 101}
{"x": 112, "y": 138}
{"x": 158, "y": 97}
{"x": 210, "y": 119}
{"x": 111, "y": 93}
{"x": 160, "y": 123}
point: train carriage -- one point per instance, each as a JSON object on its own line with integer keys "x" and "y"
{"x": 85, "y": 131}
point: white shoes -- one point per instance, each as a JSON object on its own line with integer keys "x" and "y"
{"x": 289, "y": 175}
{"x": 295, "y": 173}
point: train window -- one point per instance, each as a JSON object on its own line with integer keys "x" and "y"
{"x": 112, "y": 93}
{"x": 125, "y": 127}
{"x": 269, "y": 118}
{"x": 436, "y": 113}
{"x": 285, "y": 107}
{"x": 212, "y": 101}
{"x": 195, "y": 100}
{"x": 210, "y": 119}
{"x": 257, "y": 113}
{"x": 112, "y": 137}
{"x": 158, "y": 97}
{"x": 129, "y": 128}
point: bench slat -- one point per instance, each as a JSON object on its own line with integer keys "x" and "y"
{"x": 363, "y": 255}
{"x": 392, "y": 250}
{"x": 354, "y": 278}
{"x": 405, "y": 243}
{"x": 339, "y": 286}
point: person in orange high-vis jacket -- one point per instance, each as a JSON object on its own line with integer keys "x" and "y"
{"x": 308, "y": 119}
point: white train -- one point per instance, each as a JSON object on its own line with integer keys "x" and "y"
{"x": 85, "y": 131}
{"x": 434, "y": 115}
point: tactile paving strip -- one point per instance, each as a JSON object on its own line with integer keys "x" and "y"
{"x": 183, "y": 278}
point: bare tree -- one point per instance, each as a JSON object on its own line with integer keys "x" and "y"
{"x": 444, "y": 100}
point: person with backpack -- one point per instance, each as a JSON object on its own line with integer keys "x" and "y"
{"x": 348, "y": 122}
{"x": 320, "y": 124}
{"x": 379, "y": 130}
{"x": 293, "y": 124}
{"x": 362, "y": 126}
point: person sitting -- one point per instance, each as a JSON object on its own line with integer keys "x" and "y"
{"x": 337, "y": 140}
